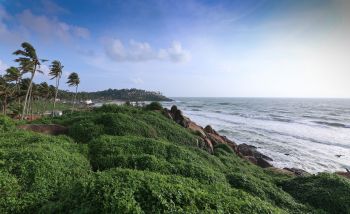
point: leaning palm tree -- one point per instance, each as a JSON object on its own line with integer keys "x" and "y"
{"x": 29, "y": 62}
{"x": 56, "y": 73}
{"x": 73, "y": 80}
{"x": 14, "y": 75}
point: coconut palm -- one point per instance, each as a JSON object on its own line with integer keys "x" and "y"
{"x": 29, "y": 62}
{"x": 14, "y": 75}
{"x": 73, "y": 80}
{"x": 56, "y": 73}
{"x": 6, "y": 92}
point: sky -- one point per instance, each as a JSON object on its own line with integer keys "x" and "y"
{"x": 188, "y": 48}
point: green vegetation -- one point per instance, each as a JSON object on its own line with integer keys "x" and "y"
{"x": 132, "y": 94}
{"x": 20, "y": 96}
{"x": 124, "y": 159}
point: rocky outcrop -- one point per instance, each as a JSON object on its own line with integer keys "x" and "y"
{"x": 344, "y": 174}
{"x": 254, "y": 155}
{"x": 208, "y": 138}
{"x": 51, "y": 129}
{"x": 297, "y": 171}
{"x": 280, "y": 171}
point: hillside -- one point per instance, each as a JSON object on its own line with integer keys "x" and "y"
{"x": 123, "y": 159}
{"x": 118, "y": 94}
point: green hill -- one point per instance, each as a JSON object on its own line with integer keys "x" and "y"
{"x": 118, "y": 94}
{"x": 122, "y": 159}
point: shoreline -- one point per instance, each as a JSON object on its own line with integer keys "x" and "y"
{"x": 211, "y": 138}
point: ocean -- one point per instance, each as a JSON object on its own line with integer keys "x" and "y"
{"x": 311, "y": 134}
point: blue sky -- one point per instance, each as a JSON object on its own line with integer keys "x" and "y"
{"x": 250, "y": 48}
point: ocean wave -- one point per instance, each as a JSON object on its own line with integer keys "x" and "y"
{"x": 333, "y": 124}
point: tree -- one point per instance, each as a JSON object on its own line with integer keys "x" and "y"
{"x": 56, "y": 73}
{"x": 14, "y": 75}
{"x": 6, "y": 92}
{"x": 29, "y": 62}
{"x": 44, "y": 93}
{"x": 73, "y": 80}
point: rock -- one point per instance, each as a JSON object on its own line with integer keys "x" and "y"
{"x": 173, "y": 109}
{"x": 196, "y": 129}
{"x": 180, "y": 119}
{"x": 280, "y": 171}
{"x": 262, "y": 162}
{"x": 210, "y": 130}
{"x": 206, "y": 144}
{"x": 51, "y": 129}
{"x": 249, "y": 150}
{"x": 344, "y": 174}
{"x": 251, "y": 159}
{"x": 216, "y": 139}
{"x": 167, "y": 114}
{"x": 298, "y": 172}
{"x": 232, "y": 144}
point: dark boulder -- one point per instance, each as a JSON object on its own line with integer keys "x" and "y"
{"x": 249, "y": 150}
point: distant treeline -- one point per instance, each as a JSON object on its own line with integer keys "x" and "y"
{"x": 117, "y": 94}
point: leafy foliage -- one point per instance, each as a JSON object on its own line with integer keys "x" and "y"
{"x": 154, "y": 106}
{"x": 326, "y": 191}
{"x": 131, "y": 160}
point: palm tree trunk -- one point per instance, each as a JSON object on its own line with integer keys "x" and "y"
{"x": 56, "y": 92}
{"x": 27, "y": 94}
{"x": 75, "y": 96}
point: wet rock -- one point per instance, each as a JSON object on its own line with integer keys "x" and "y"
{"x": 249, "y": 150}
{"x": 297, "y": 171}
{"x": 51, "y": 129}
{"x": 263, "y": 163}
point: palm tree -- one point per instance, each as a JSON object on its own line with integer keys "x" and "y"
{"x": 6, "y": 92}
{"x": 56, "y": 73}
{"x": 44, "y": 94}
{"x": 29, "y": 62}
{"x": 73, "y": 80}
{"x": 14, "y": 75}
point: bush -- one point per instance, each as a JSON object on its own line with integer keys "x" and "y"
{"x": 85, "y": 131}
{"x": 130, "y": 191}
{"x": 34, "y": 169}
{"x": 6, "y": 123}
{"x": 325, "y": 191}
{"x": 148, "y": 154}
{"x": 154, "y": 106}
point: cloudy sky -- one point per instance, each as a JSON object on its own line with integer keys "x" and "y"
{"x": 250, "y": 48}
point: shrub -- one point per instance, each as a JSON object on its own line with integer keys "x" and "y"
{"x": 154, "y": 106}
{"x": 85, "y": 131}
{"x": 325, "y": 191}
{"x": 130, "y": 191}
{"x": 6, "y": 123}
{"x": 35, "y": 168}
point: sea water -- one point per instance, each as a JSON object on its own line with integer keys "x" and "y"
{"x": 311, "y": 134}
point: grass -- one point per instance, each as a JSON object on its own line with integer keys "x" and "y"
{"x": 120, "y": 159}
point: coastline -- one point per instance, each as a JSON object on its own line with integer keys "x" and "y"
{"x": 211, "y": 138}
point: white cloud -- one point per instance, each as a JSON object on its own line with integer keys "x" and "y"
{"x": 175, "y": 53}
{"x": 50, "y": 28}
{"x": 142, "y": 51}
{"x": 137, "y": 80}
